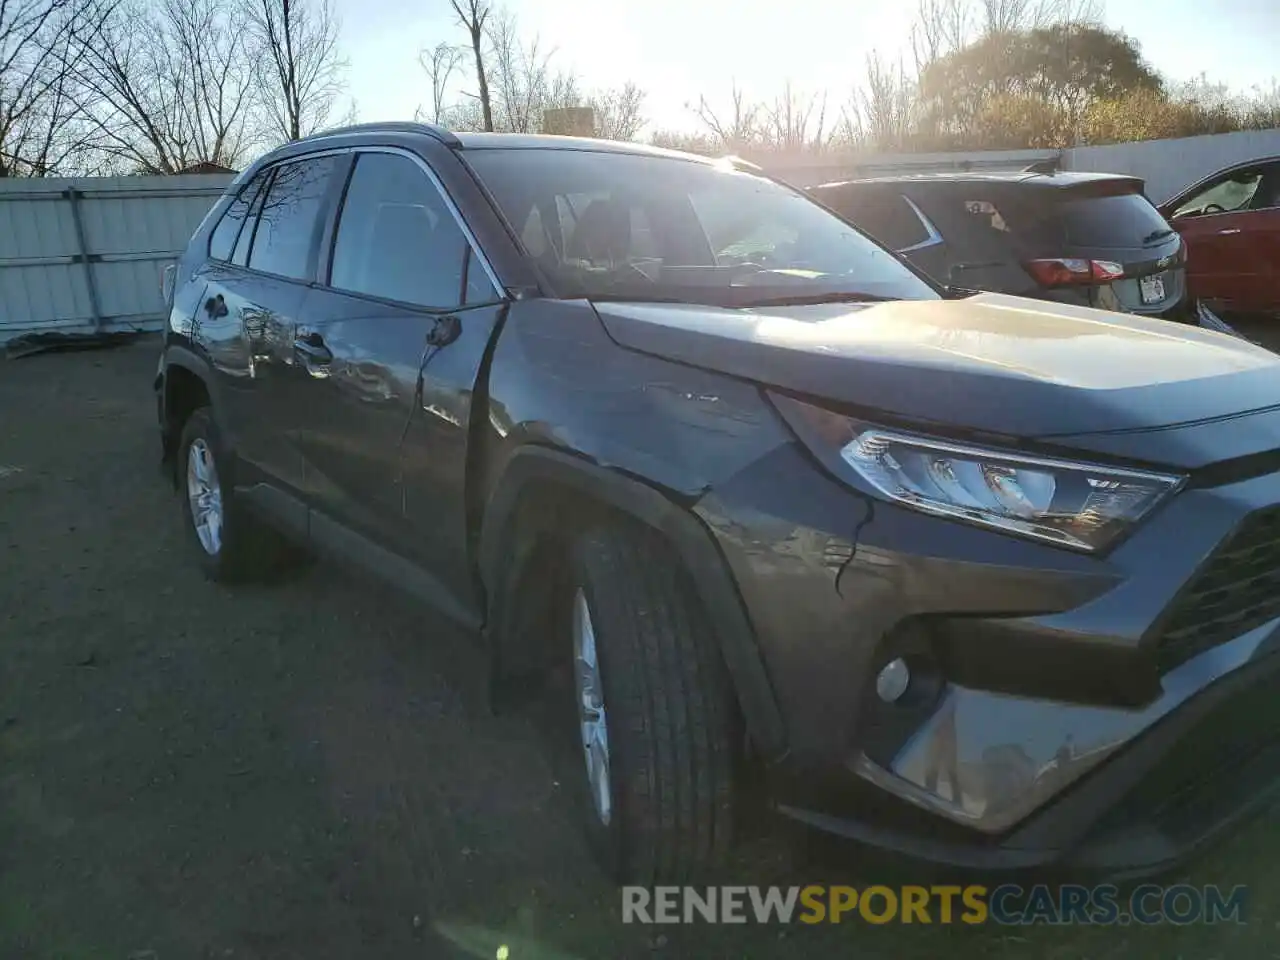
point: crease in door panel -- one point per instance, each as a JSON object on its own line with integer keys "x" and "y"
{"x": 429, "y": 351}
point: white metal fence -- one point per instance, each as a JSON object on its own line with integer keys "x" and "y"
{"x": 1166, "y": 165}
{"x": 87, "y": 254}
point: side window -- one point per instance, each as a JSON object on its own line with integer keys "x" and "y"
{"x": 397, "y": 239}
{"x": 1224, "y": 196}
{"x": 290, "y": 218}
{"x": 223, "y": 239}
{"x": 890, "y": 219}
{"x": 241, "y": 255}
{"x": 1268, "y": 195}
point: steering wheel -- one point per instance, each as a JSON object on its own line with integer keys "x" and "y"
{"x": 1213, "y": 208}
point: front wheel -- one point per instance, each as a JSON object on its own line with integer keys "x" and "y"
{"x": 655, "y": 717}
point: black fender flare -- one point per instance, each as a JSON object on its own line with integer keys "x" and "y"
{"x": 693, "y": 544}
{"x": 178, "y": 355}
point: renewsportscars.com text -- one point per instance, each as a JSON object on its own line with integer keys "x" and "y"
{"x": 1007, "y": 904}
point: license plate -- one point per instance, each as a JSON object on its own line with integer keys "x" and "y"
{"x": 1151, "y": 289}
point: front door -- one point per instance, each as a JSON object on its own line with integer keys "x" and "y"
{"x": 1215, "y": 222}
{"x": 401, "y": 331}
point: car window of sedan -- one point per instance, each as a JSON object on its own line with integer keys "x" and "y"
{"x": 398, "y": 240}
{"x": 1224, "y": 196}
{"x": 290, "y": 217}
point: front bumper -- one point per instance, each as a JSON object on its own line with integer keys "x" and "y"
{"x": 1061, "y": 727}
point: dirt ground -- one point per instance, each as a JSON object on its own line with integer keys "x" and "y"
{"x": 309, "y": 770}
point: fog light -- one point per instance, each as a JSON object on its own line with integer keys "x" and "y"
{"x": 893, "y": 680}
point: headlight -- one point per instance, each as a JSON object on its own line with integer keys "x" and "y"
{"x": 1079, "y": 505}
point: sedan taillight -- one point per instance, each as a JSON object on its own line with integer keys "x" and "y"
{"x": 1069, "y": 271}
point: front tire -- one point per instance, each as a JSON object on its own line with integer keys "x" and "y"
{"x": 655, "y": 714}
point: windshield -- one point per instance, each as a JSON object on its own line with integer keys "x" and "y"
{"x": 619, "y": 226}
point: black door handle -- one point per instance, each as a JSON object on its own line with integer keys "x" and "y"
{"x": 216, "y": 306}
{"x": 312, "y": 348}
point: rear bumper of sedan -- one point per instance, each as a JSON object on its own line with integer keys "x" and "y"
{"x": 1108, "y": 713}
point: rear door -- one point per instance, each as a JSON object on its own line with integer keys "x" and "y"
{"x": 402, "y": 324}
{"x": 231, "y": 326}
{"x": 257, "y": 299}
{"x": 989, "y": 234}
{"x": 1262, "y": 292}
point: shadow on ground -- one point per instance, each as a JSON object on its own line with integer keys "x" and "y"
{"x": 309, "y": 770}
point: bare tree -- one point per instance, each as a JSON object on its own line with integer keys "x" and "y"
{"x": 39, "y": 45}
{"x": 166, "y": 86}
{"x": 618, "y": 113}
{"x": 941, "y": 27}
{"x": 1007, "y": 16}
{"x": 472, "y": 17}
{"x": 736, "y": 129}
{"x": 300, "y": 70}
{"x": 796, "y": 121}
{"x": 440, "y": 63}
{"x": 524, "y": 81}
{"x": 886, "y": 104}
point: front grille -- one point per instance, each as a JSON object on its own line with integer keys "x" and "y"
{"x": 1230, "y": 754}
{"x": 1236, "y": 591}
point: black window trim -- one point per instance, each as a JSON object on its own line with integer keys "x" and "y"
{"x": 270, "y": 170}
{"x": 318, "y": 229}
{"x": 471, "y": 252}
{"x": 249, "y": 182}
{"x": 932, "y": 238}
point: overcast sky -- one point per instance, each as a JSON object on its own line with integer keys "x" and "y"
{"x": 677, "y": 49}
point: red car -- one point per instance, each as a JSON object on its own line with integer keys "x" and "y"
{"x": 1231, "y": 225}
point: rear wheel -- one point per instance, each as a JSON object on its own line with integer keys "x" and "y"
{"x": 231, "y": 545}
{"x": 655, "y": 717}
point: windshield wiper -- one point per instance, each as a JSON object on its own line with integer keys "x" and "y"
{"x": 1155, "y": 235}
{"x": 805, "y": 299}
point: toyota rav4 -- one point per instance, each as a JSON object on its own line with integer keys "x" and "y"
{"x": 985, "y": 580}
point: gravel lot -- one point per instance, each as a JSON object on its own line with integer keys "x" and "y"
{"x": 309, "y": 770}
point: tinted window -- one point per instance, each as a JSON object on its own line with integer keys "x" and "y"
{"x": 397, "y": 238}
{"x": 656, "y": 227}
{"x": 290, "y": 217}
{"x": 224, "y": 234}
{"x": 479, "y": 288}
{"x": 889, "y": 218}
{"x": 1127, "y": 220}
{"x": 245, "y": 241}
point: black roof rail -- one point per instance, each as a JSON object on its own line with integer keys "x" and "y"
{"x": 394, "y": 126}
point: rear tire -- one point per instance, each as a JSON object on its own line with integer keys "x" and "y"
{"x": 658, "y": 702}
{"x": 231, "y": 545}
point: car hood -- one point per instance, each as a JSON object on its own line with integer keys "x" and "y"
{"x": 990, "y": 363}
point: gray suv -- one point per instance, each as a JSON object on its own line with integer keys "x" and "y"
{"x": 989, "y": 581}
